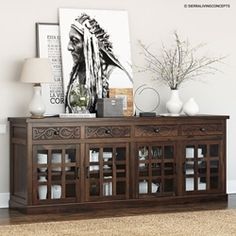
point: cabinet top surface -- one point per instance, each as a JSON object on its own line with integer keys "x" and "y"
{"x": 131, "y": 119}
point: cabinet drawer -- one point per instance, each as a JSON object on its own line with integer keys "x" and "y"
{"x": 156, "y": 130}
{"x": 55, "y": 133}
{"x": 202, "y": 129}
{"x": 107, "y": 131}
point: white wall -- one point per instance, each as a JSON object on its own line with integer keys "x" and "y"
{"x": 152, "y": 22}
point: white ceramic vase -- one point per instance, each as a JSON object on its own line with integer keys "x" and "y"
{"x": 42, "y": 190}
{"x": 174, "y": 105}
{"x": 191, "y": 108}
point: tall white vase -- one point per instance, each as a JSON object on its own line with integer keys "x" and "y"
{"x": 191, "y": 108}
{"x": 174, "y": 105}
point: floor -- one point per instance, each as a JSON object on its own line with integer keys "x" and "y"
{"x": 14, "y": 217}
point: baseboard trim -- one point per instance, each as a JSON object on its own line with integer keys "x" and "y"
{"x": 231, "y": 186}
{"x": 4, "y": 200}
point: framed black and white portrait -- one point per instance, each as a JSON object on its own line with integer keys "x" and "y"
{"x": 96, "y": 58}
{"x": 49, "y": 46}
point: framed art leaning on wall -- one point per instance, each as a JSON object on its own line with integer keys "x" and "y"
{"x": 96, "y": 58}
{"x": 49, "y": 46}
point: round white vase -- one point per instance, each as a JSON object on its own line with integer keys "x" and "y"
{"x": 174, "y": 105}
{"x": 191, "y": 108}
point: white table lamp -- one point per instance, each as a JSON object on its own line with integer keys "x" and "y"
{"x": 37, "y": 71}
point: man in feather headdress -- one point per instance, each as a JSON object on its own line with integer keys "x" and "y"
{"x": 93, "y": 60}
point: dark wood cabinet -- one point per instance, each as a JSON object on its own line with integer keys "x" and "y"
{"x": 74, "y": 164}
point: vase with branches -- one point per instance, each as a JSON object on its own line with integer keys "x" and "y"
{"x": 178, "y": 64}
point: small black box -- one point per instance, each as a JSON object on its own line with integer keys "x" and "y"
{"x": 110, "y": 107}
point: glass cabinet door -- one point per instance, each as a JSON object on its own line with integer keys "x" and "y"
{"x": 201, "y": 166}
{"x": 107, "y": 171}
{"x": 156, "y": 169}
{"x": 56, "y": 173}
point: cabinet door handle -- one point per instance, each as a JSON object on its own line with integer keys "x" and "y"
{"x": 157, "y": 130}
{"x": 78, "y": 172}
{"x": 184, "y": 168}
{"x": 202, "y": 129}
{"x": 87, "y": 172}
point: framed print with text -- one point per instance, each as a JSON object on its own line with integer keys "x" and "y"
{"x": 49, "y": 46}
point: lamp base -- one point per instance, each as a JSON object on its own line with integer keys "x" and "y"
{"x": 37, "y": 117}
{"x": 37, "y": 107}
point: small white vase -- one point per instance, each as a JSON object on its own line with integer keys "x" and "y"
{"x": 174, "y": 105}
{"x": 191, "y": 108}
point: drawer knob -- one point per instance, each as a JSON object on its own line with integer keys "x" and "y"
{"x": 108, "y": 131}
{"x": 202, "y": 129}
{"x": 56, "y": 132}
{"x": 157, "y": 130}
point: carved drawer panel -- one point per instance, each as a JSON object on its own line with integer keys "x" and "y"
{"x": 108, "y": 131}
{"x": 156, "y": 130}
{"x": 204, "y": 129}
{"x": 55, "y": 133}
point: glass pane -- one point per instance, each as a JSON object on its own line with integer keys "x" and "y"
{"x": 107, "y": 158}
{"x": 201, "y": 183}
{"x": 157, "y": 152}
{"x": 120, "y": 188}
{"x": 94, "y": 155}
{"x": 202, "y": 150}
{"x": 189, "y": 167}
{"x": 143, "y": 153}
{"x": 42, "y": 161}
{"x": 121, "y": 173}
{"x": 214, "y": 167}
{"x": 168, "y": 152}
{"x": 168, "y": 168}
{"x": 202, "y": 167}
{"x": 120, "y": 154}
{"x": 143, "y": 171}
{"x": 94, "y": 161}
{"x": 120, "y": 167}
{"x": 214, "y": 182}
{"x": 156, "y": 185}
{"x": 94, "y": 172}
{"x": 107, "y": 188}
{"x": 72, "y": 175}
{"x": 189, "y": 152}
{"x": 169, "y": 185}
{"x": 156, "y": 169}
{"x": 94, "y": 188}
{"x": 71, "y": 155}
{"x": 214, "y": 150}
{"x": 189, "y": 184}
{"x": 70, "y": 190}
{"x": 143, "y": 187}
{"x": 56, "y": 191}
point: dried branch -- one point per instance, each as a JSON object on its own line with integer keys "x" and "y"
{"x": 179, "y": 63}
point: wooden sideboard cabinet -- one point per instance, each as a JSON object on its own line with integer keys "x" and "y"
{"x": 74, "y": 164}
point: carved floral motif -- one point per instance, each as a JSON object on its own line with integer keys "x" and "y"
{"x": 56, "y": 133}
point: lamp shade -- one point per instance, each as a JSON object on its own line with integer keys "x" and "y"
{"x": 37, "y": 70}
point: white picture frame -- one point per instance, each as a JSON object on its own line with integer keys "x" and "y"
{"x": 48, "y": 45}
